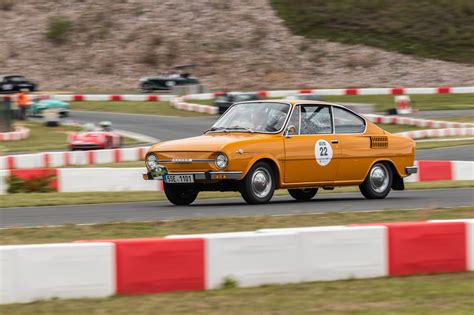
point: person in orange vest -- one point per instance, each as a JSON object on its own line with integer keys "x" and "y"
{"x": 23, "y": 101}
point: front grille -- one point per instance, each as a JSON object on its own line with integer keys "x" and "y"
{"x": 379, "y": 142}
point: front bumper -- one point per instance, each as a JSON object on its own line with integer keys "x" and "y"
{"x": 209, "y": 175}
{"x": 411, "y": 169}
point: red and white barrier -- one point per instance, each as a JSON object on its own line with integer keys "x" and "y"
{"x": 20, "y": 133}
{"x": 419, "y": 122}
{"x": 437, "y": 133}
{"x": 38, "y": 272}
{"x": 206, "y": 261}
{"x": 130, "y": 178}
{"x": 59, "y": 159}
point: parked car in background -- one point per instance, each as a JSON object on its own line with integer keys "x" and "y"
{"x": 257, "y": 147}
{"x": 225, "y": 100}
{"x": 13, "y": 83}
{"x": 38, "y": 106}
{"x": 90, "y": 138}
{"x": 167, "y": 82}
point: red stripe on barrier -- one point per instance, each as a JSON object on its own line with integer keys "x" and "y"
{"x": 444, "y": 90}
{"x": 10, "y": 162}
{"x": 46, "y": 159}
{"x": 141, "y": 154}
{"x": 117, "y": 155}
{"x": 116, "y": 98}
{"x": 216, "y": 94}
{"x": 262, "y": 94}
{"x": 434, "y": 170}
{"x": 398, "y": 91}
{"x": 159, "y": 265}
{"x": 90, "y": 157}
{"x": 352, "y": 91}
{"x": 153, "y": 98}
{"x": 67, "y": 159}
{"x": 78, "y": 98}
{"x": 416, "y": 248}
{"x": 1, "y": 136}
{"x": 306, "y": 91}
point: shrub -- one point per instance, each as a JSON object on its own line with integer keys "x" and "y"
{"x": 6, "y": 5}
{"x": 229, "y": 283}
{"x": 58, "y": 29}
{"x": 40, "y": 184}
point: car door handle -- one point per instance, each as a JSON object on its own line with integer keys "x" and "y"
{"x": 335, "y": 141}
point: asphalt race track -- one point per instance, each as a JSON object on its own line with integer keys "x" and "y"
{"x": 169, "y": 128}
{"x": 149, "y": 211}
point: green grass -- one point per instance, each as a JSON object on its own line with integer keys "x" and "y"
{"x": 428, "y": 28}
{"x": 442, "y": 294}
{"x": 44, "y": 138}
{"x": 133, "y": 107}
{"x": 463, "y": 119}
{"x": 72, "y": 232}
{"x": 442, "y": 144}
{"x": 54, "y": 199}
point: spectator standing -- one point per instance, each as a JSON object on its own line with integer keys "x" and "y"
{"x": 23, "y": 101}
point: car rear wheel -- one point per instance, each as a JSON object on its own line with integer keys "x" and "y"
{"x": 303, "y": 194}
{"x": 146, "y": 87}
{"x": 378, "y": 182}
{"x": 259, "y": 184}
{"x": 180, "y": 195}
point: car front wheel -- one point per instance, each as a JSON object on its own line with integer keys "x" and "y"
{"x": 180, "y": 195}
{"x": 259, "y": 184}
{"x": 303, "y": 194}
{"x": 378, "y": 182}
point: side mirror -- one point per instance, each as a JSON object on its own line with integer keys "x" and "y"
{"x": 290, "y": 130}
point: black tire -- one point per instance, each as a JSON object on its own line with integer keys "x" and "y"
{"x": 180, "y": 195}
{"x": 303, "y": 194}
{"x": 378, "y": 182}
{"x": 146, "y": 87}
{"x": 259, "y": 184}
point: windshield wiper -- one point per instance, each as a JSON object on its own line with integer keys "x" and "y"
{"x": 216, "y": 129}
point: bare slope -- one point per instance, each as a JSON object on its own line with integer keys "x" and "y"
{"x": 238, "y": 44}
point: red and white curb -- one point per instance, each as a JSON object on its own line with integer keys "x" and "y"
{"x": 204, "y": 261}
{"x": 437, "y": 133}
{"x": 61, "y": 159}
{"x": 130, "y": 179}
{"x": 20, "y": 133}
{"x": 419, "y": 122}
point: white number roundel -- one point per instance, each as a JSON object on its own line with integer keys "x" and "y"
{"x": 323, "y": 152}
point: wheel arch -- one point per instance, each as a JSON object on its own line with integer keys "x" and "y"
{"x": 397, "y": 179}
{"x": 270, "y": 161}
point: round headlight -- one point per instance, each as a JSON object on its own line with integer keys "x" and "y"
{"x": 151, "y": 161}
{"x": 221, "y": 160}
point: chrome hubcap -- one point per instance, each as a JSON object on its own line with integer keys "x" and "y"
{"x": 261, "y": 182}
{"x": 379, "y": 178}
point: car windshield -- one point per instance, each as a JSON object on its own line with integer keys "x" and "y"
{"x": 253, "y": 117}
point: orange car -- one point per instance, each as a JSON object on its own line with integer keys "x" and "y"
{"x": 259, "y": 146}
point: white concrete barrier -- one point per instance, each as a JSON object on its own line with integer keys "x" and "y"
{"x": 104, "y": 179}
{"x": 37, "y": 272}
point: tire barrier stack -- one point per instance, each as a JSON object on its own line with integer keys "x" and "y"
{"x": 206, "y": 261}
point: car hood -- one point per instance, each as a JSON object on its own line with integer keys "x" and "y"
{"x": 209, "y": 142}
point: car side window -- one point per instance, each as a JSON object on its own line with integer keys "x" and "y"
{"x": 315, "y": 119}
{"x": 347, "y": 122}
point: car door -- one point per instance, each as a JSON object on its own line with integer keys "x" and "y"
{"x": 356, "y": 155}
{"x": 312, "y": 153}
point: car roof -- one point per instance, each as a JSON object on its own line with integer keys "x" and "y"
{"x": 293, "y": 102}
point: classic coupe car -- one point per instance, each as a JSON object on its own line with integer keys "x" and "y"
{"x": 259, "y": 146}
{"x": 13, "y": 83}
{"x": 38, "y": 106}
{"x": 91, "y": 139}
{"x": 225, "y": 100}
{"x": 167, "y": 82}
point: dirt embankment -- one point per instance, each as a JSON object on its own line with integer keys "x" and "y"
{"x": 237, "y": 44}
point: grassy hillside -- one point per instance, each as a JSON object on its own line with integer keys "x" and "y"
{"x": 429, "y": 28}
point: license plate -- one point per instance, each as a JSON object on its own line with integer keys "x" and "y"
{"x": 179, "y": 179}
